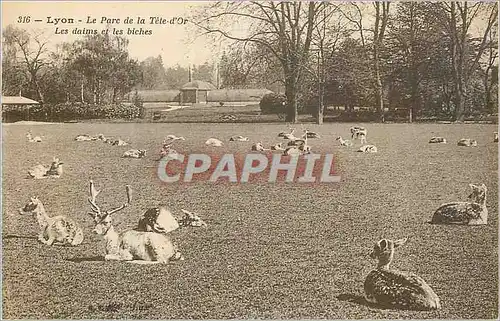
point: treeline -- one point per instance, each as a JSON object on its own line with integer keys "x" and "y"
{"x": 439, "y": 59}
{"x": 95, "y": 70}
{"x": 435, "y": 58}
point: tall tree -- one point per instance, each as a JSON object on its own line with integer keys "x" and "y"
{"x": 153, "y": 73}
{"x": 285, "y": 28}
{"x": 381, "y": 18}
{"x": 415, "y": 44}
{"x": 466, "y": 52}
{"x": 29, "y": 55}
{"x": 355, "y": 14}
{"x": 106, "y": 65}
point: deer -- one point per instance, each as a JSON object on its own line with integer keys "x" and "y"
{"x": 368, "y": 149}
{"x": 278, "y": 146}
{"x": 31, "y": 139}
{"x": 258, "y": 147}
{"x": 161, "y": 220}
{"x": 437, "y": 140}
{"x": 134, "y": 153}
{"x": 167, "y": 150}
{"x": 213, "y": 142}
{"x": 53, "y": 230}
{"x": 473, "y": 212}
{"x": 467, "y": 142}
{"x": 119, "y": 142}
{"x": 289, "y": 136}
{"x": 157, "y": 219}
{"x": 131, "y": 245}
{"x": 174, "y": 138}
{"x": 360, "y": 133}
{"x": 394, "y": 289}
{"x": 191, "y": 219}
{"x": 238, "y": 138}
{"x": 85, "y": 138}
{"x": 53, "y": 171}
{"x": 344, "y": 142}
{"x": 309, "y": 134}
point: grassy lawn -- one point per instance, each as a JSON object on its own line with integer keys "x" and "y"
{"x": 283, "y": 250}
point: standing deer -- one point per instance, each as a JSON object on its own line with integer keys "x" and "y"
{"x": 130, "y": 245}
{"x": 360, "y": 133}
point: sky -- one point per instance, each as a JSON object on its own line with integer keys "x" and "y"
{"x": 177, "y": 44}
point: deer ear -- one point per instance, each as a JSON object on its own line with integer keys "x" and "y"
{"x": 382, "y": 244}
{"x": 400, "y": 242}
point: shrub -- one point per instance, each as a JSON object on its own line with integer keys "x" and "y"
{"x": 273, "y": 104}
{"x": 138, "y": 103}
{"x": 79, "y": 111}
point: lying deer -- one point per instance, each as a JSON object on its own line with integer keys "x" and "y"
{"x": 258, "y": 147}
{"x": 40, "y": 171}
{"x": 130, "y": 245}
{"x": 191, "y": 219}
{"x": 213, "y": 142}
{"x": 119, "y": 142}
{"x": 238, "y": 138}
{"x": 134, "y": 153}
{"x": 344, "y": 142}
{"x": 167, "y": 150}
{"x": 278, "y": 146}
{"x": 473, "y": 212}
{"x": 437, "y": 140}
{"x": 368, "y": 149}
{"x": 395, "y": 289}
{"x": 85, "y": 138}
{"x": 174, "y": 138}
{"x": 31, "y": 139}
{"x": 467, "y": 142}
{"x": 161, "y": 220}
{"x": 57, "y": 229}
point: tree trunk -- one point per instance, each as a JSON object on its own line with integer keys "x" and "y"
{"x": 291, "y": 98}
{"x": 291, "y": 88}
{"x": 460, "y": 103}
{"x": 321, "y": 108}
{"x": 321, "y": 85}
{"x": 379, "y": 92}
{"x": 81, "y": 93}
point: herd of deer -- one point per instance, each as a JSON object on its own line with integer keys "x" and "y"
{"x": 150, "y": 242}
{"x": 298, "y": 145}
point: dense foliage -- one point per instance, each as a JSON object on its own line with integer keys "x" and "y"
{"x": 273, "y": 104}
{"x": 437, "y": 59}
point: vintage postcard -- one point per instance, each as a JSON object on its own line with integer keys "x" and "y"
{"x": 249, "y": 160}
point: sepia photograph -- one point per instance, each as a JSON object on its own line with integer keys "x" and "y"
{"x": 245, "y": 160}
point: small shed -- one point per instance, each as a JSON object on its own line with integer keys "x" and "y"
{"x": 16, "y": 104}
{"x": 195, "y": 92}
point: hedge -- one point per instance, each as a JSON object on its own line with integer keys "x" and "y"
{"x": 75, "y": 111}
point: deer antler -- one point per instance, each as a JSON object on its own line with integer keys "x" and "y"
{"x": 91, "y": 199}
{"x": 129, "y": 197}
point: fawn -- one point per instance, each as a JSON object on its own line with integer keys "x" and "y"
{"x": 395, "y": 289}
{"x": 473, "y": 212}
{"x": 58, "y": 229}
